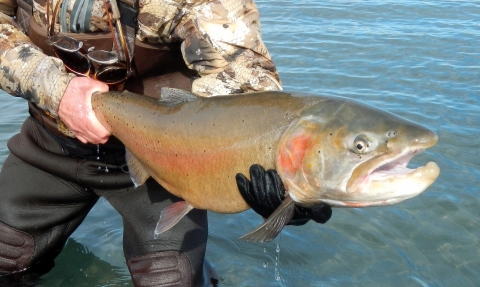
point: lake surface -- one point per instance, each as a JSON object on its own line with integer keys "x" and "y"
{"x": 418, "y": 59}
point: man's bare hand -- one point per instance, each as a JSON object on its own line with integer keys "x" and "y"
{"x": 76, "y": 112}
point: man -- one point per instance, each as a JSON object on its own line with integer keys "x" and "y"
{"x": 68, "y": 157}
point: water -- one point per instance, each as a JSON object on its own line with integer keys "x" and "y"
{"x": 418, "y": 59}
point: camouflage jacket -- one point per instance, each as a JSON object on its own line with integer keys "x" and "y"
{"x": 220, "y": 39}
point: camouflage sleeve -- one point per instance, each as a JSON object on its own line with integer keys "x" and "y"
{"x": 28, "y": 73}
{"x": 223, "y": 43}
{"x": 221, "y": 40}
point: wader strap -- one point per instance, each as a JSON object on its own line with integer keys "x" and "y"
{"x": 24, "y": 13}
{"x": 63, "y": 17}
{"x": 77, "y": 8}
{"x": 87, "y": 13}
{"x": 129, "y": 12}
{"x": 43, "y": 118}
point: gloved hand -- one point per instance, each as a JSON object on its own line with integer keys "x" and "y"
{"x": 264, "y": 193}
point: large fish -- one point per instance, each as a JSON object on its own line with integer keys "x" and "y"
{"x": 325, "y": 149}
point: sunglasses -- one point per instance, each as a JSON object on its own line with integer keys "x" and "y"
{"x": 100, "y": 65}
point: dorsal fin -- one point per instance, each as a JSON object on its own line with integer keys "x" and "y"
{"x": 172, "y": 97}
{"x": 138, "y": 174}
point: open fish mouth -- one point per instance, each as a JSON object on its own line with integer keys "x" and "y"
{"x": 388, "y": 182}
{"x": 394, "y": 167}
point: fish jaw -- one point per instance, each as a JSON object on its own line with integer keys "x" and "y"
{"x": 386, "y": 179}
{"x": 389, "y": 183}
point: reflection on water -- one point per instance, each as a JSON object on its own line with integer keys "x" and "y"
{"x": 75, "y": 266}
{"x": 84, "y": 268}
{"x": 418, "y": 59}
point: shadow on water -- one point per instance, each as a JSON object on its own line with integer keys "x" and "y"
{"x": 75, "y": 266}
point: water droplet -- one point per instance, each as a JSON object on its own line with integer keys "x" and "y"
{"x": 265, "y": 264}
{"x": 277, "y": 274}
{"x": 264, "y": 250}
{"x": 106, "y": 169}
{"x": 278, "y": 248}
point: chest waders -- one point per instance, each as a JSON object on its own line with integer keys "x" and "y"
{"x": 49, "y": 183}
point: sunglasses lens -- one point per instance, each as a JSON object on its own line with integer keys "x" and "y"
{"x": 102, "y": 57}
{"x": 75, "y": 62}
{"x": 112, "y": 75}
{"x": 65, "y": 43}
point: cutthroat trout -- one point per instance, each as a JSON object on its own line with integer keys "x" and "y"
{"x": 325, "y": 149}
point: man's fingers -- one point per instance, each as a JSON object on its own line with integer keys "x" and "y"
{"x": 244, "y": 188}
{"x": 75, "y": 110}
{"x": 96, "y": 132}
{"x": 82, "y": 139}
{"x": 257, "y": 178}
{"x": 273, "y": 198}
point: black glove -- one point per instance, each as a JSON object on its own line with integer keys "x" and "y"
{"x": 264, "y": 193}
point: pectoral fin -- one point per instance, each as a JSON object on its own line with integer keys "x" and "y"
{"x": 138, "y": 174}
{"x": 272, "y": 226}
{"x": 171, "y": 215}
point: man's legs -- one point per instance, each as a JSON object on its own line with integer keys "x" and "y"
{"x": 38, "y": 209}
{"x": 176, "y": 258}
{"x": 38, "y": 212}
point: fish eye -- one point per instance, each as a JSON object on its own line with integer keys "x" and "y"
{"x": 363, "y": 144}
{"x": 360, "y": 145}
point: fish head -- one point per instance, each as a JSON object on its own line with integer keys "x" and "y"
{"x": 348, "y": 154}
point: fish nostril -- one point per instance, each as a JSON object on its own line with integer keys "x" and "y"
{"x": 391, "y": 134}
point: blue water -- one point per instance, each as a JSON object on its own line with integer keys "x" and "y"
{"x": 418, "y": 59}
